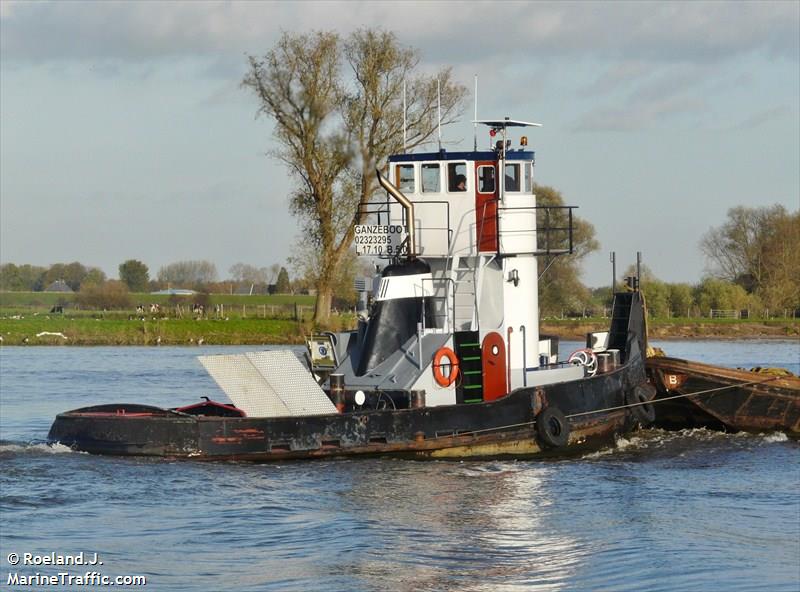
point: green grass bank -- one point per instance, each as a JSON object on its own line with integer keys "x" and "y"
{"x": 26, "y": 319}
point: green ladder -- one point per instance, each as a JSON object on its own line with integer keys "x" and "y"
{"x": 469, "y": 387}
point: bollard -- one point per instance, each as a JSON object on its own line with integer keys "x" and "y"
{"x": 337, "y": 391}
{"x": 417, "y": 399}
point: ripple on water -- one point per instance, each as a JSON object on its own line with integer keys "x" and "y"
{"x": 657, "y": 510}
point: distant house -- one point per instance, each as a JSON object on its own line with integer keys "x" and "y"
{"x": 59, "y": 286}
{"x": 175, "y": 292}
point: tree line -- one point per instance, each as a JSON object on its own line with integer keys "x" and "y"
{"x": 753, "y": 265}
{"x": 134, "y": 276}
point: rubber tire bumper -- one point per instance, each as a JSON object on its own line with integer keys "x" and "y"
{"x": 552, "y": 428}
{"x": 643, "y": 414}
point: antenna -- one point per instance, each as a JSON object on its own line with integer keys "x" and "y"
{"x": 638, "y": 269}
{"x": 613, "y": 259}
{"x": 475, "y": 119}
{"x": 405, "y": 137}
{"x": 439, "y": 110}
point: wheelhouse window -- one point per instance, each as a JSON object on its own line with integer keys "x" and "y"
{"x": 486, "y": 179}
{"x": 405, "y": 178}
{"x": 527, "y": 177}
{"x": 512, "y": 173}
{"x": 456, "y": 176}
{"x": 431, "y": 178}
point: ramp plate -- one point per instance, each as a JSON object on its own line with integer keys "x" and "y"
{"x": 268, "y": 384}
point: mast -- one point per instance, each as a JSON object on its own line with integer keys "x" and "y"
{"x": 439, "y": 110}
{"x": 475, "y": 120}
{"x": 405, "y": 135}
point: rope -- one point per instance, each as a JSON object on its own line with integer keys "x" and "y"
{"x": 617, "y": 408}
{"x": 683, "y": 396}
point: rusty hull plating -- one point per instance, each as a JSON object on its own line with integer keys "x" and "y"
{"x": 728, "y": 399}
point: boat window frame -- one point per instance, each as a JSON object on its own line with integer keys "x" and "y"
{"x": 527, "y": 177}
{"x": 452, "y": 164}
{"x": 429, "y": 166}
{"x": 406, "y": 165}
{"x": 516, "y": 165}
{"x": 480, "y": 188}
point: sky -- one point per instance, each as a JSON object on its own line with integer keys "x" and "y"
{"x": 125, "y": 132}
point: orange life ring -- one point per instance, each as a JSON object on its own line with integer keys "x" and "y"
{"x": 452, "y": 363}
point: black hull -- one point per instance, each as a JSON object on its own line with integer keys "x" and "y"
{"x": 729, "y": 399}
{"x": 552, "y": 418}
{"x": 506, "y": 427}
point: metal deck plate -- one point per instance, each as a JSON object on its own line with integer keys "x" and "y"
{"x": 268, "y": 384}
{"x": 292, "y": 382}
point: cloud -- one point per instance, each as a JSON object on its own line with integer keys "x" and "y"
{"x": 675, "y": 31}
{"x": 645, "y": 94}
{"x": 763, "y": 117}
{"x": 637, "y": 115}
{"x": 674, "y": 79}
{"x": 617, "y": 75}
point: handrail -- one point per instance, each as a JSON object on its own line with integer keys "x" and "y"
{"x": 381, "y": 209}
{"x": 546, "y": 229}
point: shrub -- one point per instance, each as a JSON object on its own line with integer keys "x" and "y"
{"x": 110, "y": 295}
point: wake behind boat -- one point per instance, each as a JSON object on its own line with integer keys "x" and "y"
{"x": 448, "y": 362}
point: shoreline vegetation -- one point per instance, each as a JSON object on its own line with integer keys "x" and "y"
{"x": 280, "y": 320}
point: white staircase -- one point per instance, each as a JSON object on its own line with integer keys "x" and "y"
{"x": 463, "y": 291}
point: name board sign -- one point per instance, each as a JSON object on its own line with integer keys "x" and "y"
{"x": 379, "y": 239}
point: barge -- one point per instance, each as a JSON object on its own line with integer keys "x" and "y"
{"x": 692, "y": 394}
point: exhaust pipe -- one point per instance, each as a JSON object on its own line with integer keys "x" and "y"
{"x": 407, "y": 206}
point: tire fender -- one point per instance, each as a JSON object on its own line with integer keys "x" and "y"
{"x": 552, "y": 428}
{"x": 643, "y": 412}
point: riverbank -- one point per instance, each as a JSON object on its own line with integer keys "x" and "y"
{"x": 684, "y": 328}
{"x": 101, "y": 330}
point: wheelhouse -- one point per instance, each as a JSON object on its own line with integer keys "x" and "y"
{"x": 463, "y": 199}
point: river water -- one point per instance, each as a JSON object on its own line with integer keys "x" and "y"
{"x": 691, "y": 510}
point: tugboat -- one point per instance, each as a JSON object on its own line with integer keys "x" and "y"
{"x": 448, "y": 363}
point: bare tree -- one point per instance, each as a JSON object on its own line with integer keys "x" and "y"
{"x": 188, "y": 274}
{"x": 248, "y": 274}
{"x": 338, "y": 110}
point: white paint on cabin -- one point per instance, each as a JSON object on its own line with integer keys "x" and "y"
{"x": 404, "y": 286}
{"x": 473, "y": 287}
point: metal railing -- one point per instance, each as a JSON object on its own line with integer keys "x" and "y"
{"x": 383, "y": 215}
{"x": 544, "y": 228}
{"x": 449, "y": 308}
